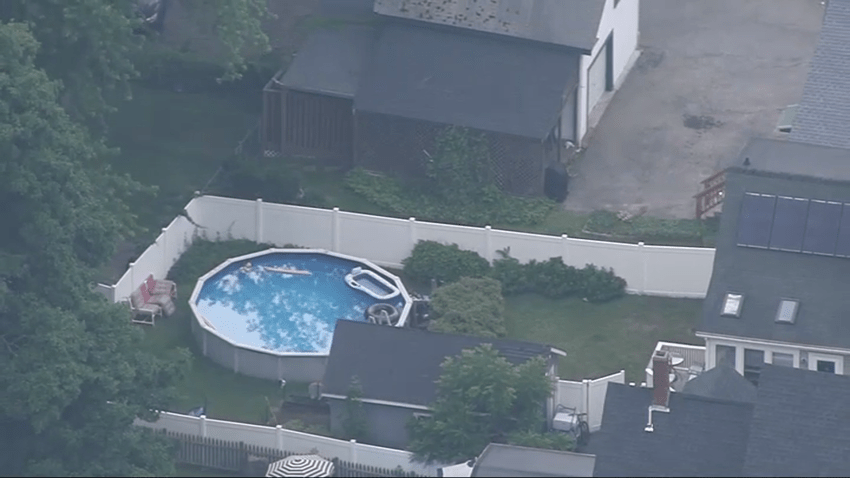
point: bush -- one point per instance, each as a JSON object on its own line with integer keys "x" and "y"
{"x": 300, "y": 426}
{"x": 469, "y": 306}
{"x": 555, "y": 280}
{"x": 443, "y": 262}
{"x": 646, "y": 228}
{"x": 271, "y": 180}
{"x": 205, "y": 255}
{"x": 547, "y": 441}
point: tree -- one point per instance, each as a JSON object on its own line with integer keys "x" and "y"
{"x": 354, "y": 424}
{"x": 73, "y": 373}
{"x": 469, "y": 306}
{"x": 91, "y": 46}
{"x": 481, "y": 398}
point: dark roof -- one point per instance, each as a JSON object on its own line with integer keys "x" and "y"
{"x": 486, "y": 83}
{"x": 824, "y": 113}
{"x": 723, "y": 383}
{"x": 764, "y": 276}
{"x": 331, "y": 60}
{"x": 347, "y": 9}
{"x": 573, "y": 23}
{"x": 401, "y": 365}
{"x": 507, "y": 460}
{"x": 800, "y": 425}
{"x": 698, "y": 437}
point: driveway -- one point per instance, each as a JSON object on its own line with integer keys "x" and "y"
{"x": 713, "y": 73}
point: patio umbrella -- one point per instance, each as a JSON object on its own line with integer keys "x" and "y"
{"x": 301, "y": 465}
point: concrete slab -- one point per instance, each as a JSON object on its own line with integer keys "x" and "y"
{"x": 712, "y": 74}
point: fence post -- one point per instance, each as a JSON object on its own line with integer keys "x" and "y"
{"x": 585, "y": 396}
{"x": 565, "y": 248}
{"x": 353, "y": 445}
{"x": 258, "y": 233}
{"x": 642, "y": 255}
{"x": 488, "y": 243}
{"x": 165, "y": 264}
{"x": 203, "y": 423}
{"x": 112, "y": 297}
{"x": 278, "y": 432}
{"x": 414, "y": 237}
{"x": 132, "y": 269}
{"x": 335, "y": 233}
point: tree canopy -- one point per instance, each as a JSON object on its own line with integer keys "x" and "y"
{"x": 471, "y": 306}
{"x": 72, "y": 369}
{"x": 481, "y": 398}
{"x": 92, "y": 47}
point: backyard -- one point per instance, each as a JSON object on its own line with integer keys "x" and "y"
{"x": 177, "y": 141}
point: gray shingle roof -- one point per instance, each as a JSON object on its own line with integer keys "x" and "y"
{"x": 401, "y": 365}
{"x": 572, "y": 23}
{"x": 698, "y": 437}
{"x": 499, "y": 460}
{"x": 722, "y": 383}
{"x": 331, "y": 61}
{"x": 467, "y": 79}
{"x": 824, "y": 114}
{"x": 764, "y": 276}
{"x": 800, "y": 425}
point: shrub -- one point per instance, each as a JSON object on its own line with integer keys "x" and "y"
{"x": 205, "y": 255}
{"x": 443, "y": 262}
{"x": 554, "y": 279}
{"x": 300, "y": 426}
{"x": 469, "y": 306}
{"x": 547, "y": 441}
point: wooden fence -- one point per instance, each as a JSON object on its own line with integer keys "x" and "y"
{"x": 252, "y": 460}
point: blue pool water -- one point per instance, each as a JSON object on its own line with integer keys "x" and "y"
{"x": 284, "y": 312}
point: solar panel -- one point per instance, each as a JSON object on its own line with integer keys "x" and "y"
{"x": 842, "y": 247}
{"x": 789, "y": 224}
{"x": 822, "y": 227}
{"x": 756, "y": 220}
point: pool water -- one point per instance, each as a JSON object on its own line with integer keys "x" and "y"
{"x": 284, "y": 312}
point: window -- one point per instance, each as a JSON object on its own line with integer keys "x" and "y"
{"x": 725, "y": 355}
{"x": 783, "y": 360}
{"x": 732, "y": 305}
{"x": 787, "y": 311}
{"x": 753, "y": 361}
{"x": 827, "y": 366}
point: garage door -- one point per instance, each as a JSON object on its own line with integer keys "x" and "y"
{"x": 596, "y": 77}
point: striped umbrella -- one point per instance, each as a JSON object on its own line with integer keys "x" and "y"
{"x": 301, "y": 465}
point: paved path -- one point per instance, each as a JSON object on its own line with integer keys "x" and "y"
{"x": 713, "y": 73}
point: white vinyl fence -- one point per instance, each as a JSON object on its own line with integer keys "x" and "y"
{"x": 587, "y": 396}
{"x": 649, "y": 270}
{"x": 290, "y": 441}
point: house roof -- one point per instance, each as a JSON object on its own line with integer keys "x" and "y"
{"x": 800, "y": 425}
{"x": 470, "y": 80}
{"x": 824, "y": 113}
{"x": 698, "y": 437}
{"x": 331, "y": 61}
{"x": 508, "y": 460}
{"x": 765, "y": 276}
{"x": 722, "y": 383}
{"x": 573, "y": 23}
{"x": 347, "y": 9}
{"x": 401, "y": 365}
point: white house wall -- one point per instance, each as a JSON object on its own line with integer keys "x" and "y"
{"x": 798, "y": 351}
{"x": 624, "y": 22}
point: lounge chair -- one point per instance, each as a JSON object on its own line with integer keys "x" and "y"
{"x": 139, "y": 307}
{"x": 161, "y": 286}
{"x": 163, "y": 301}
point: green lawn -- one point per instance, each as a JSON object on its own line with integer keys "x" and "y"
{"x": 175, "y": 141}
{"x": 601, "y": 339}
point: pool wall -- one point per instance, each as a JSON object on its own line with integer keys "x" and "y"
{"x": 267, "y": 364}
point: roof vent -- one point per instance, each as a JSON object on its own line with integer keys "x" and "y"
{"x": 787, "y": 312}
{"x": 732, "y": 305}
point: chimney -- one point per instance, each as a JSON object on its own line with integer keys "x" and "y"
{"x": 661, "y": 378}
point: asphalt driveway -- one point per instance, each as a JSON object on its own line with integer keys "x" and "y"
{"x": 713, "y": 73}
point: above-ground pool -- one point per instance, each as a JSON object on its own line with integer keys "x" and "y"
{"x": 285, "y": 303}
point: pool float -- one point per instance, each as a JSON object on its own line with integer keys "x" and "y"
{"x": 383, "y": 314}
{"x": 284, "y": 270}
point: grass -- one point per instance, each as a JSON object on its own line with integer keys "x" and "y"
{"x": 188, "y": 470}
{"x": 175, "y": 141}
{"x": 601, "y": 339}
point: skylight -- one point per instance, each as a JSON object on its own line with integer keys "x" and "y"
{"x": 732, "y": 305}
{"x": 787, "y": 311}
